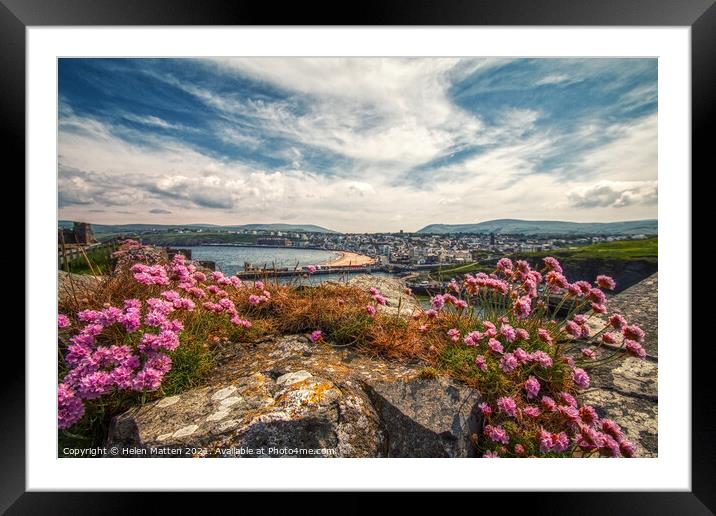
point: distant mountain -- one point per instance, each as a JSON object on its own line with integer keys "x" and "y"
{"x": 131, "y": 228}
{"x": 547, "y": 227}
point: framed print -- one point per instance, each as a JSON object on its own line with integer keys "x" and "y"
{"x": 426, "y": 246}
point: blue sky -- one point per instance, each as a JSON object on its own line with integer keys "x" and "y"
{"x": 357, "y": 144}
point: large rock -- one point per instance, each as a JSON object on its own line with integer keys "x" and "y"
{"x": 398, "y": 300}
{"x": 289, "y": 397}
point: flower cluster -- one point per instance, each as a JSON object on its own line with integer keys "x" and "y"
{"x": 523, "y": 326}
{"x": 98, "y": 363}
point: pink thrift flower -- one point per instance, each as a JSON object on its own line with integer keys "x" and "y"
{"x": 472, "y": 338}
{"x": 552, "y": 264}
{"x": 522, "y": 307}
{"x": 606, "y": 282}
{"x": 497, "y": 434}
{"x": 379, "y": 299}
{"x": 519, "y": 449}
{"x": 481, "y": 363}
{"x": 508, "y": 332}
{"x": 507, "y": 405}
{"x": 532, "y": 387}
{"x": 633, "y": 332}
{"x": 495, "y": 346}
{"x": 627, "y": 448}
{"x": 454, "y": 334}
{"x": 371, "y": 310}
{"x": 70, "y": 408}
{"x": 508, "y": 363}
{"x": 522, "y": 356}
{"x": 545, "y": 440}
{"x": 568, "y": 399}
{"x": 316, "y": 336}
{"x": 548, "y": 404}
{"x": 598, "y": 308}
{"x": 561, "y": 442}
{"x": 574, "y": 329}
{"x": 542, "y": 358}
{"x": 490, "y": 455}
{"x": 617, "y": 321}
{"x": 609, "y": 338}
{"x": 531, "y": 411}
{"x": 485, "y": 408}
{"x": 504, "y": 264}
{"x": 437, "y": 302}
{"x": 423, "y": 328}
{"x": 544, "y": 336}
{"x": 589, "y": 353}
{"x": 431, "y": 313}
{"x": 522, "y": 334}
{"x": 634, "y": 348}
{"x": 311, "y": 269}
{"x": 63, "y": 321}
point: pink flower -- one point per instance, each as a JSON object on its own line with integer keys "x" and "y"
{"x": 611, "y": 427}
{"x": 62, "y": 321}
{"x": 508, "y": 363}
{"x": 548, "y": 404}
{"x": 522, "y": 307}
{"x": 497, "y": 434}
{"x": 311, "y": 269}
{"x": 589, "y": 353}
{"x": 519, "y": 449}
{"x": 70, "y": 408}
{"x": 238, "y": 321}
{"x": 599, "y": 309}
{"x": 431, "y": 314}
{"x": 504, "y": 264}
{"x": 495, "y": 346}
{"x": 542, "y": 358}
{"x": 423, "y": 328}
{"x": 617, "y": 321}
{"x": 634, "y": 348}
{"x": 561, "y": 442}
{"x": 531, "y": 411}
{"x": 574, "y": 329}
{"x": 481, "y": 363}
{"x": 490, "y": 455}
{"x": 379, "y": 299}
{"x": 568, "y": 399}
{"x": 570, "y": 413}
{"x": 609, "y": 338}
{"x": 532, "y": 387}
{"x": 255, "y": 300}
{"x": 454, "y": 334}
{"x": 437, "y": 302}
{"x": 316, "y": 336}
{"x": 472, "y": 338}
{"x": 371, "y": 310}
{"x": 485, "y": 408}
{"x": 508, "y": 332}
{"x": 522, "y": 334}
{"x": 588, "y": 414}
{"x": 507, "y": 405}
{"x": 544, "y": 336}
{"x": 545, "y": 440}
{"x": 627, "y": 448}
{"x": 552, "y": 264}
{"x": 606, "y": 282}
{"x": 522, "y": 356}
{"x": 633, "y": 332}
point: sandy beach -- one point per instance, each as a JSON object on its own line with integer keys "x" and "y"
{"x": 347, "y": 258}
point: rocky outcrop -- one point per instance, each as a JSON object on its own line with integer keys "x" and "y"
{"x": 398, "y": 300}
{"x": 286, "y": 396}
{"x": 72, "y": 286}
{"x": 627, "y": 391}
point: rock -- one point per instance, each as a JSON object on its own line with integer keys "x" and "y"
{"x": 71, "y": 287}
{"x": 267, "y": 399}
{"x": 398, "y": 301}
{"x": 427, "y": 417}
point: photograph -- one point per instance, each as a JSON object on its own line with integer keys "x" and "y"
{"x": 357, "y": 257}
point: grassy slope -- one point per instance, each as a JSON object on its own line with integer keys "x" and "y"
{"x": 628, "y": 250}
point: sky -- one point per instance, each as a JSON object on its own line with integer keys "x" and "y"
{"x": 356, "y": 144}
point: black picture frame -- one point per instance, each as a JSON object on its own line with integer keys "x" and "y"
{"x": 700, "y": 15}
